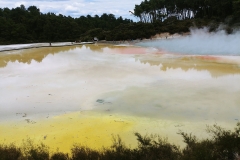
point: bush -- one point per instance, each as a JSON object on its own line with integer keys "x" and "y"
{"x": 59, "y": 156}
{"x": 222, "y": 145}
{"x": 32, "y": 151}
{"x": 10, "y": 152}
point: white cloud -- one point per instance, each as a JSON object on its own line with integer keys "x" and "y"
{"x": 71, "y": 9}
{"x": 76, "y": 8}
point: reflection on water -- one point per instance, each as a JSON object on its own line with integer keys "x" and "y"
{"x": 217, "y": 66}
{"x": 38, "y": 54}
{"x": 177, "y": 100}
{"x": 152, "y": 92}
{"x": 27, "y": 55}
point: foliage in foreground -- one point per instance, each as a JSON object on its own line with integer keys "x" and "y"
{"x": 223, "y": 145}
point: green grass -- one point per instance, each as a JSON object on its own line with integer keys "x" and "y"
{"x": 222, "y": 145}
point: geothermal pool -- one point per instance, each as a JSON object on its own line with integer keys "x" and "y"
{"x": 85, "y": 94}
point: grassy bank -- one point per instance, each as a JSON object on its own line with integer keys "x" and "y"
{"x": 223, "y": 144}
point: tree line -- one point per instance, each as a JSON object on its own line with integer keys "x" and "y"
{"x": 26, "y": 25}
{"x": 150, "y": 11}
{"x": 29, "y": 25}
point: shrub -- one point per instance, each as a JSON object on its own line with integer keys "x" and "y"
{"x": 222, "y": 145}
{"x": 59, "y": 156}
{"x": 10, "y": 152}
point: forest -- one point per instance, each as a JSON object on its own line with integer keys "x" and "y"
{"x": 29, "y": 25}
{"x": 150, "y": 11}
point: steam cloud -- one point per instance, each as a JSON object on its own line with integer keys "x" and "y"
{"x": 200, "y": 42}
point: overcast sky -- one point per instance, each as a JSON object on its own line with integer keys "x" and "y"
{"x": 76, "y": 8}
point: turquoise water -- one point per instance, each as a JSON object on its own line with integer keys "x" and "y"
{"x": 200, "y": 42}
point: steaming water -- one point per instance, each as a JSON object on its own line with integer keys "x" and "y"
{"x": 200, "y": 42}
{"x": 86, "y": 93}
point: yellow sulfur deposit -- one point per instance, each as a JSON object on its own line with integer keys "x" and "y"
{"x": 63, "y": 131}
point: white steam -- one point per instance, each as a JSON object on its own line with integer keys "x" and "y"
{"x": 200, "y": 42}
